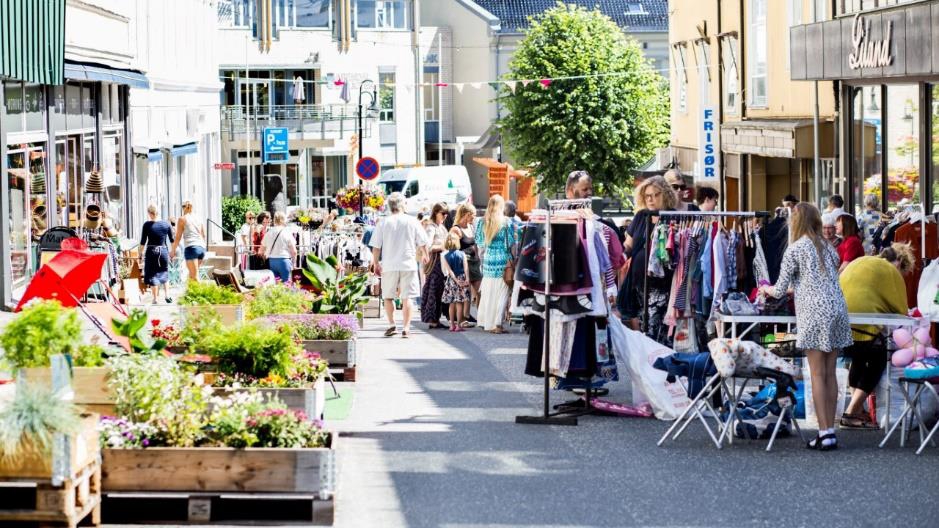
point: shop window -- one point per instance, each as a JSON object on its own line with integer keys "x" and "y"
{"x": 381, "y": 14}
{"x": 731, "y": 75}
{"x": 27, "y": 184}
{"x": 386, "y": 96}
{"x": 867, "y": 141}
{"x": 58, "y": 107}
{"x": 313, "y": 13}
{"x": 13, "y": 101}
{"x": 901, "y": 146}
{"x": 89, "y": 109}
{"x": 73, "y": 107}
{"x": 756, "y": 58}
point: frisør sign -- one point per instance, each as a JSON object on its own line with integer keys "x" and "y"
{"x": 709, "y": 134}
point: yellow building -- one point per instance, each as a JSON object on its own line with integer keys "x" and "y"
{"x": 739, "y": 124}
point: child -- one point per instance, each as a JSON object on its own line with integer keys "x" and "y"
{"x": 456, "y": 291}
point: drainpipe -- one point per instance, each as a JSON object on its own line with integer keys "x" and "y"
{"x": 421, "y": 156}
{"x": 720, "y": 104}
{"x": 498, "y": 76}
{"x": 743, "y": 187}
{"x": 815, "y": 140}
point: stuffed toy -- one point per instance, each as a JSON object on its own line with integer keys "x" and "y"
{"x": 912, "y": 345}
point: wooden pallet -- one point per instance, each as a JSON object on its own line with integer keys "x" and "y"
{"x": 70, "y": 503}
{"x": 343, "y": 373}
{"x": 227, "y": 508}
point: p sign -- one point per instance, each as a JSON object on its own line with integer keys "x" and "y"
{"x": 368, "y": 168}
{"x": 275, "y": 145}
{"x": 709, "y": 146}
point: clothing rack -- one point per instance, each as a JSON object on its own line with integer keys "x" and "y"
{"x": 567, "y": 414}
{"x": 682, "y": 215}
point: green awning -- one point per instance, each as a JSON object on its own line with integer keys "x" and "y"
{"x": 32, "y": 40}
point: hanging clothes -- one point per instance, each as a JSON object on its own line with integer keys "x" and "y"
{"x": 298, "y": 90}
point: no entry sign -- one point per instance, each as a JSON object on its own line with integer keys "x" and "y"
{"x": 368, "y": 168}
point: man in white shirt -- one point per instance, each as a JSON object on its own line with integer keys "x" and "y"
{"x": 397, "y": 242}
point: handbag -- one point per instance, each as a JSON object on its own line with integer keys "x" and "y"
{"x": 508, "y": 274}
{"x": 428, "y": 267}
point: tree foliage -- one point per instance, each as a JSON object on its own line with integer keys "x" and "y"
{"x": 607, "y": 124}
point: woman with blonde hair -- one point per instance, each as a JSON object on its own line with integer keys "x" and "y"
{"x": 190, "y": 232}
{"x": 280, "y": 248}
{"x": 464, "y": 223}
{"x": 651, "y": 195}
{"x": 810, "y": 266}
{"x": 495, "y": 237}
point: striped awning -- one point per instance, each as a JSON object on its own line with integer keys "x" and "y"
{"x": 32, "y": 40}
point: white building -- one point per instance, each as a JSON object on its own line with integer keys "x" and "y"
{"x": 485, "y": 35}
{"x": 305, "y": 65}
{"x": 175, "y": 121}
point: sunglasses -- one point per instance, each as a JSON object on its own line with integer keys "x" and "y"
{"x": 679, "y": 187}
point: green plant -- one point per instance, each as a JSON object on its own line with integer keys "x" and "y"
{"x": 133, "y": 329}
{"x": 252, "y": 349}
{"x": 249, "y": 420}
{"x": 606, "y": 111}
{"x": 201, "y": 293}
{"x": 154, "y": 389}
{"x": 234, "y": 209}
{"x": 43, "y": 329}
{"x": 28, "y": 424}
{"x": 278, "y": 299}
{"x": 337, "y": 295}
{"x": 89, "y": 355}
{"x": 335, "y": 327}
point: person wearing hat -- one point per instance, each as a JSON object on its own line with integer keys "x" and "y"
{"x": 829, "y": 230}
{"x": 677, "y": 182}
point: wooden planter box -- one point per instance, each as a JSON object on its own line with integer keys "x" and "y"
{"x": 231, "y": 314}
{"x": 81, "y": 451}
{"x": 336, "y": 353}
{"x": 310, "y": 401}
{"x": 90, "y": 385}
{"x": 221, "y": 469}
{"x": 373, "y": 308}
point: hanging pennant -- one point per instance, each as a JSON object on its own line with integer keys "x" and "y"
{"x": 526, "y": 82}
{"x": 459, "y": 87}
{"x": 441, "y": 85}
{"x": 495, "y": 85}
{"x": 545, "y": 83}
{"x": 511, "y": 85}
{"x": 476, "y": 85}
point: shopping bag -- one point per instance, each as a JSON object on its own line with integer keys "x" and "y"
{"x": 927, "y": 297}
{"x": 638, "y": 352}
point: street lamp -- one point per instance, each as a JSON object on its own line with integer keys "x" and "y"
{"x": 372, "y": 110}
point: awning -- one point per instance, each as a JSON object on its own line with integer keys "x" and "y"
{"x": 92, "y": 72}
{"x": 777, "y": 138}
{"x": 184, "y": 149}
{"x": 151, "y": 153}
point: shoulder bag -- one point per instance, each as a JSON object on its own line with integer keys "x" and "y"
{"x": 508, "y": 274}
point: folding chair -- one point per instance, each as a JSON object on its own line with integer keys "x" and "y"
{"x": 911, "y": 408}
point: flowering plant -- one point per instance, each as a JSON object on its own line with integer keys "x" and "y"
{"x": 279, "y": 298}
{"x": 166, "y": 332}
{"x": 119, "y": 433}
{"x": 307, "y": 368}
{"x": 339, "y": 327}
{"x": 348, "y": 197}
{"x": 248, "y": 419}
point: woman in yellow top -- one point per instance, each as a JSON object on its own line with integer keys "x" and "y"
{"x": 872, "y": 285}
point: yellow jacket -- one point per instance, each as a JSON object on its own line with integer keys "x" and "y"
{"x": 872, "y": 285}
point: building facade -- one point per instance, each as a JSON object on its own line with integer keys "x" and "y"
{"x": 739, "y": 123}
{"x": 175, "y": 121}
{"x": 883, "y": 57}
{"x": 485, "y": 35}
{"x": 306, "y": 66}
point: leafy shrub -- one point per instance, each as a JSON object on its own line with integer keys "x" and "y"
{"x": 201, "y": 293}
{"x": 154, "y": 389}
{"x": 278, "y": 299}
{"x": 234, "y": 209}
{"x": 306, "y": 369}
{"x": 90, "y": 355}
{"x": 133, "y": 329}
{"x": 339, "y": 295}
{"x": 29, "y": 423}
{"x": 252, "y": 349}
{"x": 248, "y": 420}
{"x": 42, "y": 330}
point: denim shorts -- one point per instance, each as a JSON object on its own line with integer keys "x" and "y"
{"x": 194, "y": 253}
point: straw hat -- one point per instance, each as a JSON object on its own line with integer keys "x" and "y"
{"x": 94, "y": 183}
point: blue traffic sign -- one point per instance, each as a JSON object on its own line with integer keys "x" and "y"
{"x": 275, "y": 146}
{"x": 368, "y": 168}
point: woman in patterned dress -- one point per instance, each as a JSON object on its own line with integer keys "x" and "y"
{"x": 431, "y": 302}
{"x": 495, "y": 237}
{"x": 810, "y": 266}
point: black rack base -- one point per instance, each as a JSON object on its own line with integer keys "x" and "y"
{"x": 546, "y": 420}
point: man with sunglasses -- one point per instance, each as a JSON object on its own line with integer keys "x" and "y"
{"x": 684, "y": 192}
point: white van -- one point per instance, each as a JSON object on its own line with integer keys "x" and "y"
{"x": 425, "y": 186}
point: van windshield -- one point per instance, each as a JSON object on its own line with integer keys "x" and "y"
{"x": 393, "y": 186}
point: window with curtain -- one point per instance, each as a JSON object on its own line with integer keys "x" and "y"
{"x": 731, "y": 75}
{"x": 382, "y": 14}
{"x": 313, "y": 13}
{"x": 757, "y": 56}
{"x": 386, "y": 96}
{"x": 794, "y": 18}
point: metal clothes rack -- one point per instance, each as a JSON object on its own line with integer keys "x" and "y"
{"x": 567, "y": 414}
{"x": 682, "y": 214}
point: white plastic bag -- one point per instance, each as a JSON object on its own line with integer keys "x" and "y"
{"x": 638, "y": 352}
{"x": 926, "y": 294}
{"x": 811, "y": 418}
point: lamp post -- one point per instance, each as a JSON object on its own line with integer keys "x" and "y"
{"x": 373, "y": 107}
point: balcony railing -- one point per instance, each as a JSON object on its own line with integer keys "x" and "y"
{"x": 333, "y": 121}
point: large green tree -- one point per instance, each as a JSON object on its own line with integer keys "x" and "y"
{"x": 607, "y": 120}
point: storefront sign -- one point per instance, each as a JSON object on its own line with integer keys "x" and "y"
{"x": 868, "y": 53}
{"x": 274, "y": 145}
{"x": 709, "y": 146}
{"x": 224, "y": 166}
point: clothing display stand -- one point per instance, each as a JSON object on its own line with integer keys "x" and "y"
{"x": 567, "y": 414}
{"x": 683, "y": 215}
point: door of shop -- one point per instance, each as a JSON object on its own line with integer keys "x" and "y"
{"x": 75, "y": 158}
{"x": 255, "y": 96}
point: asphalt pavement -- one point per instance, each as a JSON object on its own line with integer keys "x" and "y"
{"x": 432, "y": 441}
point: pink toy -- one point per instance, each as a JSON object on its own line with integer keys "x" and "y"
{"x": 913, "y": 345}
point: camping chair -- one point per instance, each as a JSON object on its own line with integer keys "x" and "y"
{"x": 911, "y": 408}
{"x": 230, "y": 277}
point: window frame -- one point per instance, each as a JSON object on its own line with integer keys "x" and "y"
{"x": 383, "y": 8}
{"x": 680, "y": 70}
{"x": 755, "y": 72}
{"x": 731, "y": 72}
{"x": 387, "y": 115}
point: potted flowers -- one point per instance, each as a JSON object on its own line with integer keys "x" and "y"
{"x": 330, "y": 336}
{"x": 278, "y": 299}
{"x": 223, "y": 300}
{"x": 170, "y": 425}
{"x": 369, "y": 196}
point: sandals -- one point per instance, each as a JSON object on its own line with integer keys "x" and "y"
{"x": 496, "y": 330}
{"x": 857, "y": 421}
{"x": 818, "y": 443}
{"x": 405, "y": 334}
{"x": 391, "y": 331}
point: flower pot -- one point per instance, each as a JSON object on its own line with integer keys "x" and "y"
{"x": 81, "y": 449}
{"x": 221, "y": 469}
{"x": 372, "y": 309}
{"x": 231, "y": 314}
{"x": 311, "y": 401}
{"x": 336, "y": 353}
{"x": 90, "y": 385}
